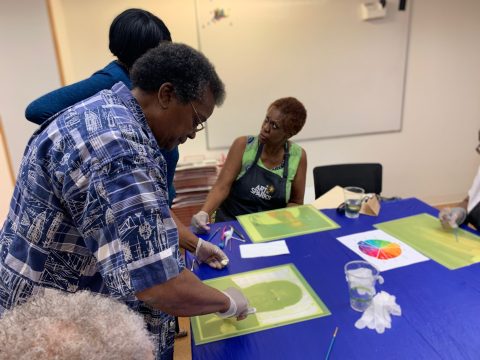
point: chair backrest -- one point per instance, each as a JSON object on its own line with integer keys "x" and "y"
{"x": 366, "y": 175}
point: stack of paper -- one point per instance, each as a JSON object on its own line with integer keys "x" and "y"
{"x": 192, "y": 184}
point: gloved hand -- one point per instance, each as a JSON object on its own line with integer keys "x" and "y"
{"x": 452, "y": 218}
{"x": 238, "y": 304}
{"x": 200, "y": 222}
{"x": 210, "y": 254}
{"x": 377, "y": 316}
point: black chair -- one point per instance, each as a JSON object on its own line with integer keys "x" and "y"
{"x": 366, "y": 175}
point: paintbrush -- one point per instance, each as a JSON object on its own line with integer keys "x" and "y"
{"x": 210, "y": 238}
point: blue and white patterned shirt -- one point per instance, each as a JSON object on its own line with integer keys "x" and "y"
{"x": 90, "y": 209}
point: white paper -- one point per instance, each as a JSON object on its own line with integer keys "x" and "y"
{"x": 331, "y": 199}
{"x": 388, "y": 248}
{"x": 264, "y": 249}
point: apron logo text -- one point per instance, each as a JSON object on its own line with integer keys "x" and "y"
{"x": 262, "y": 191}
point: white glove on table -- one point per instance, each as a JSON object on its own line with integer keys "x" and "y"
{"x": 363, "y": 280}
{"x": 377, "y": 316}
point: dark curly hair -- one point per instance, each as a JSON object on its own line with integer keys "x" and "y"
{"x": 190, "y": 72}
{"x": 294, "y": 114}
{"x": 133, "y": 32}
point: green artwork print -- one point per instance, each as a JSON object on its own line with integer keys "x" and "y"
{"x": 280, "y": 294}
{"x": 425, "y": 234}
{"x": 285, "y": 222}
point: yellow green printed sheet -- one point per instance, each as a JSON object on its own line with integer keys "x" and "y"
{"x": 285, "y": 222}
{"x": 425, "y": 234}
{"x": 280, "y": 294}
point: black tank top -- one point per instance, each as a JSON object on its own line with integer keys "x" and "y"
{"x": 473, "y": 217}
{"x": 257, "y": 190}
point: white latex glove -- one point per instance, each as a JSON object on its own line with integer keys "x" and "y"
{"x": 363, "y": 280}
{"x": 200, "y": 222}
{"x": 211, "y": 254}
{"x": 377, "y": 316}
{"x": 452, "y": 218}
{"x": 238, "y": 304}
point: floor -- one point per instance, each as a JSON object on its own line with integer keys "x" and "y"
{"x": 182, "y": 345}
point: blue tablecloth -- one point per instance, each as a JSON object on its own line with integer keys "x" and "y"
{"x": 440, "y": 307}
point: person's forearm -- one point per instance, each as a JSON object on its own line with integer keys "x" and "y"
{"x": 293, "y": 204}
{"x": 215, "y": 198}
{"x": 49, "y": 104}
{"x": 296, "y": 200}
{"x": 185, "y": 295}
{"x": 464, "y": 203}
{"x": 186, "y": 239}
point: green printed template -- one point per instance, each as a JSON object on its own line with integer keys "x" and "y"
{"x": 285, "y": 222}
{"x": 425, "y": 234}
{"x": 280, "y": 294}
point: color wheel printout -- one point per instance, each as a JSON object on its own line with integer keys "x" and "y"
{"x": 381, "y": 249}
{"x": 280, "y": 294}
{"x": 425, "y": 234}
{"x": 285, "y": 222}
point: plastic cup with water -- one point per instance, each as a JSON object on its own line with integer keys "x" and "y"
{"x": 361, "y": 278}
{"x": 353, "y": 201}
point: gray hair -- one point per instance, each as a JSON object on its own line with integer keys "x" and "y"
{"x": 190, "y": 72}
{"x": 82, "y": 325}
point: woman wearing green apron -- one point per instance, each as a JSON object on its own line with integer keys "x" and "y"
{"x": 263, "y": 172}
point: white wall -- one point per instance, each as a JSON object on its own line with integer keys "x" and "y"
{"x": 82, "y": 30}
{"x": 432, "y": 158}
{"x": 28, "y": 67}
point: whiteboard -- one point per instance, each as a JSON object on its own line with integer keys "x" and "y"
{"x": 349, "y": 73}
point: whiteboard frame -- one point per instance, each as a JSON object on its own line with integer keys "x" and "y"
{"x": 216, "y": 139}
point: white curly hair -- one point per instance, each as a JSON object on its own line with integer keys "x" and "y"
{"x": 83, "y": 325}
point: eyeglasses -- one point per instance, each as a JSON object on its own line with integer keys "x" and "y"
{"x": 197, "y": 123}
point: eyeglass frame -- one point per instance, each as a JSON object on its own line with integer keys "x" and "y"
{"x": 198, "y": 121}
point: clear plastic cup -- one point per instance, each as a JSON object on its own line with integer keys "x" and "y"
{"x": 353, "y": 201}
{"x": 362, "y": 278}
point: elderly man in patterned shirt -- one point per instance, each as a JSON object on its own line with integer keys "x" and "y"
{"x": 90, "y": 207}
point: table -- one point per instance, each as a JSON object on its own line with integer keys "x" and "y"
{"x": 440, "y": 308}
